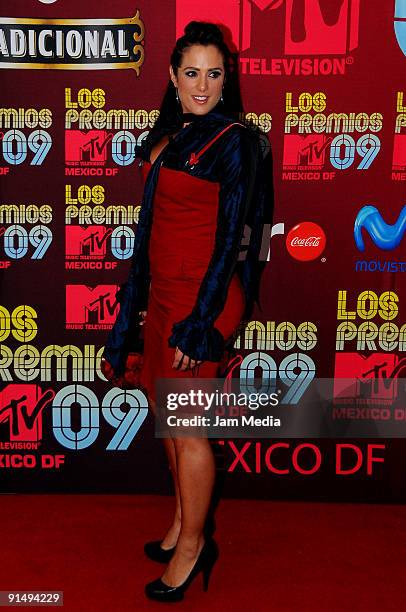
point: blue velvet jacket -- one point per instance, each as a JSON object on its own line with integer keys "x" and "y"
{"x": 237, "y": 163}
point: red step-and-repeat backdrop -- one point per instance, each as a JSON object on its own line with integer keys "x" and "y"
{"x": 81, "y": 84}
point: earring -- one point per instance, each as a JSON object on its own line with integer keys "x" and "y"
{"x": 222, "y": 99}
{"x": 177, "y": 95}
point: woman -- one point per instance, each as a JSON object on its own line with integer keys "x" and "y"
{"x": 202, "y": 174}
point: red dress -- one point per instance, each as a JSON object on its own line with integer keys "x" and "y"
{"x": 181, "y": 243}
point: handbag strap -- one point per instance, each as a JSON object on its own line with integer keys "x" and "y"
{"x": 195, "y": 157}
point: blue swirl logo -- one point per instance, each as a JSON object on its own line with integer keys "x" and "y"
{"x": 383, "y": 235}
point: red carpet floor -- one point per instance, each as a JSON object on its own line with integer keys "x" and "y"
{"x": 282, "y": 556}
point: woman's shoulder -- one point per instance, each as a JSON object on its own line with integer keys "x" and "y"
{"x": 236, "y": 130}
{"x": 236, "y": 137}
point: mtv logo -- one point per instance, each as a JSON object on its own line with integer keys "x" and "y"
{"x": 90, "y": 146}
{"x": 359, "y": 376}
{"x": 315, "y": 27}
{"x": 21, "y": 406}
{"x": 306, "y": 150}
{"x": 89, "y": 240}
{"x": 91, "y": 304}
{"x": 311, "y": 27}
{"x": 399, "y": 152}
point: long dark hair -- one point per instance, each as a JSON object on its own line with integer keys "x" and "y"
{"x": 170, "y": 112}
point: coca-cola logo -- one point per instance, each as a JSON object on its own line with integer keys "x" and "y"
{"x": 306, "y": 241}
{"x": 310, "y": 241}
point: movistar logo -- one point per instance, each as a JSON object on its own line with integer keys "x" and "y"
{"x": 383, "y": 235}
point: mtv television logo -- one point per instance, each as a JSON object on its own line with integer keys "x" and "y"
{"x": 89, "y": 146}
{"x": 311, "y": 27}
{"x": 308, "y": 150}
{"x": 372, "y": 377}
{"x": 384, "y": 235}
{"x": 399, "y": 152}
{"x": 21, "y": 406}
{"x": 87, "y": 241}
{"x": 91, "y": 305}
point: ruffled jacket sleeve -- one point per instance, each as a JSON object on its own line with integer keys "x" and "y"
{"x": 196, "y": 335}
{"x": 132, "y": 296}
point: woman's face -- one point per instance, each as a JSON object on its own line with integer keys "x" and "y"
{"x": 200, "y": 78}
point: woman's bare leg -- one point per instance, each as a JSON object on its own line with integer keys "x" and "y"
{"x": 196, "y": 473}
{"x": 171, "y": 537}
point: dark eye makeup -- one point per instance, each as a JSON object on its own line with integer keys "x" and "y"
{"x": 215, "y": 74}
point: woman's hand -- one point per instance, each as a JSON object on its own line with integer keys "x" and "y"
{"x": 180, "y": 357}
{"x": 143, "y": 313}
{"x": 184, "y": 361}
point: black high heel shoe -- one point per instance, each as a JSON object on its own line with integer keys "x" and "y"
{"x": 155, "y": 552}
{"x": 160, "y": 591}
